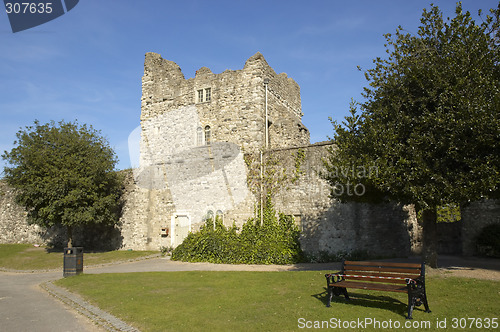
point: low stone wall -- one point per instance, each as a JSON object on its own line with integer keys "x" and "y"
{"x": 475, "y": 217}
{"x": 327, "y": 225}
{"x": 450, "y": 238}
{"x": 332, "y": 227}
{"x": 14, "y": 228}
{"x": 13, "y": 225}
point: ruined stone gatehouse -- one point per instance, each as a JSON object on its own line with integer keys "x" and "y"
{"x": 196, "y": 135}
{"x": 199, "y": 145}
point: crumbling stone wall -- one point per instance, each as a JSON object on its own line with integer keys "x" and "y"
{"x": 236, "y": 109}
{"x": 14, "y": 228}
{"x": 195, "y": 135}
{"x": 13, "y": 225}
{"x": 475, "y": 217}
{"x": 179, "y": 173}
{"x": 332, "y": 227}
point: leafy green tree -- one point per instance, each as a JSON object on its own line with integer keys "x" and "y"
{"x": 64, "y": 175}
{"x": 430, "y": 122}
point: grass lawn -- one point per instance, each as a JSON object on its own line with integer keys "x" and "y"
{"x": 28, "y": 257}
{"x": 274, "y": 301}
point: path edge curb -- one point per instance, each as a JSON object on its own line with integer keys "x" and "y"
{"x": 96, "y": 315}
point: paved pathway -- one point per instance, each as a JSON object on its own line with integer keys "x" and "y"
{"x": 28, "y": 300}
{"x": 24, "y": 306}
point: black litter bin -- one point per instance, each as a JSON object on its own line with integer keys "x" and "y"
{"x": 73, "y": 261}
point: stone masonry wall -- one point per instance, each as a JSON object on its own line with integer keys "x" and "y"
{"x": 197, "y": 136}
{"x": 333, "y": 227}
{"x": 13, "y": 225}
{"x": 193, "y": 136}
{"x": 327, "y": 226}
{"x": 284, "y": 111}
{"x": 236, "y": 109}
{"x": 475, "y": 217}
{"x": 203, "y": 178}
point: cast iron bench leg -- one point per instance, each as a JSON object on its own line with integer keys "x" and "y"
{"x": 343, "y": 290}
{"x": 330, "y": 295}
{"x": 426, "y": 305}
{"x": 337, "y": 291}
{"x": 411, "y": 305}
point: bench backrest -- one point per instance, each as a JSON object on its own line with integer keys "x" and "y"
{"x": 382, "y": 271}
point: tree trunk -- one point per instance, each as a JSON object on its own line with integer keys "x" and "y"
{"x": 70, "y": 236}
{"x": 429, "y": 218}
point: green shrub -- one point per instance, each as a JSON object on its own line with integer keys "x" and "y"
{"x": 276, "y": 241}
{"x": 488, "y": 241}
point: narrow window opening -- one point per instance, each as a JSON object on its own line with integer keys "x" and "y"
{"x": 208, "y": 94}
{"x": 207, "y": 135}
{"x": 210, "y": 216}
{"x": 219, "y": 215}
{"x": 199, "y": 136}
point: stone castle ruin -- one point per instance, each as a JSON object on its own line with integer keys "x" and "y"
{"x": 202, "y": 147}
{"x": 202, "y": 138}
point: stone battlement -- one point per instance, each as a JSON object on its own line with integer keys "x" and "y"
{"x": 232, "y": 104}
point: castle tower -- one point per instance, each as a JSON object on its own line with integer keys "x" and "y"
{"x": 231, "y": 104}
{"x": 194, "y": 133}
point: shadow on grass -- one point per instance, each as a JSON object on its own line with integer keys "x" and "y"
{"x": 50, "y": 250}
{"x": 445, "y": 262}
{"x": 368, "y": 301}
{"x": 85, "y": 251}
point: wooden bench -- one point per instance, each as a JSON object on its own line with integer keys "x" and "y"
{"x": 381, "y": 276}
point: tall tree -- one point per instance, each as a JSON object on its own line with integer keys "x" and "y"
{"x": 430, "y": 122}
{"x": 64, "y": 175}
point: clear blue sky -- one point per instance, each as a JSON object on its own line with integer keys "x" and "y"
{"x": 88, "y": 63}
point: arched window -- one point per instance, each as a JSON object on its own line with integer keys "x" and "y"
{"x": 210, "y": 216}
{"x": 219, "y": 215}
{"x": 207, "y": 135}
{"x": 199, "y": 136}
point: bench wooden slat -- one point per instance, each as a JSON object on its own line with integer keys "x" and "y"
{"x": 381, "y": 276}
{"x": 412, "y": 265}
{"x": 377, "y": 274}
{"x": 380, "y": 269}
{"x": 378, "y": 280}
{"x": 371, "y": 286}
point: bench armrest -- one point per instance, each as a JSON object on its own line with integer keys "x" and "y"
{"x": 332, "y": 278}
{"x": 416, "y": 282}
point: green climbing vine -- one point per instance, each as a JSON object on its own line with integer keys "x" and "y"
{"x": 300, "y": 156}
